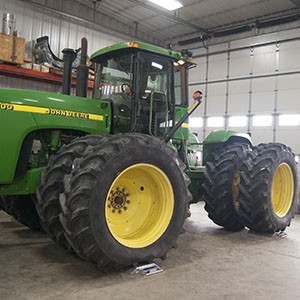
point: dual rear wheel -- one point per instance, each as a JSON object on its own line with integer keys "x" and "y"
{"x": 257, "y": 188}
{"x": 269, "y": 189}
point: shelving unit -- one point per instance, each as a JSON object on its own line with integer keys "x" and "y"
{"x": 33, "y": 75}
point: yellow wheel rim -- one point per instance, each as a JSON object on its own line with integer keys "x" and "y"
{"x": 282, "y": 190}
{"x": 139, "y": 205}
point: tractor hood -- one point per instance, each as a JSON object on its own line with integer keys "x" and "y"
{"x": 50, "y": 109}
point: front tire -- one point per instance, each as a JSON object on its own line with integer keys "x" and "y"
{"x": 269, "y": 188}
{"x": 126, "y": 201}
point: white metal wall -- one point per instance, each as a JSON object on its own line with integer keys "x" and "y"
{"x": 33, "y": 22}
{"x": 258, "y": 80}
{"x": 63, "y": 33}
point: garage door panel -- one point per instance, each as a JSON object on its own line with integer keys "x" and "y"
{"x": 289, "y": 56}
{"x": 217, "y": 67}
{"x": 284, "y": 135}
{"x": 240, "y": 63}
{"x": 261, "y": 135}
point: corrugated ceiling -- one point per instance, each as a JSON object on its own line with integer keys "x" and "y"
{"x": 196, "y": 17}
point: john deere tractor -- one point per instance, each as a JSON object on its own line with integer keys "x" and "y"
{"x": 111, "y": 178}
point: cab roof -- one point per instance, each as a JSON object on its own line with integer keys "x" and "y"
{"x": 136, "y": 46}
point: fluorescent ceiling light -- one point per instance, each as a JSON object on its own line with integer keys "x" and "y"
{"x": 167, "y": 4}
{"x": 156, "y": 65}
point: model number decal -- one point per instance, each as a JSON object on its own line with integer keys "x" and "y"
{"x": 50, "y": 111}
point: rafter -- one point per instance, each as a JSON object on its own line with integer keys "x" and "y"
{"x": 296, "y": 2}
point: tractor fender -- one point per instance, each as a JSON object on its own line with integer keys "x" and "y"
{"x": 218, "y": 139}
{"x": 227, "y": 136}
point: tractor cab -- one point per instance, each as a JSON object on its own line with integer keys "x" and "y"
{"x": 145, "y": 84}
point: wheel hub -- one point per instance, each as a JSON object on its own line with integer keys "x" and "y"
{"x": 118, "y": 200}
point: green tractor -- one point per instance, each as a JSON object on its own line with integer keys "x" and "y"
{"x": 111, "y": 178}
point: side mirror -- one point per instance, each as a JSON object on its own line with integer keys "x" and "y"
{"x": 197, "y": 96}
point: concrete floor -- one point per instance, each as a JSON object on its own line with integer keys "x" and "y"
{"x": 208, "y": 264}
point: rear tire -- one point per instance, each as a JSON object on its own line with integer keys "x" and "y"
{"x": 221, "y": 178}
{"x": 269, "y": 188}
{"x": 125, "y": 202}
{"x": 51, "y": 185}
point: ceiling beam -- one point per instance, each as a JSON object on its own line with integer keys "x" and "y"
{"x": 170, "y": 16}
{"x": 296, "y": 2}
{"x": 267, "y": 21}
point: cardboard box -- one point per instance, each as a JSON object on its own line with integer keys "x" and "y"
{"x": 26, "y": 65}
{"x": 45, "y": 69}
{"x": 12, "y": 48}
{"x": 36, "y": 67}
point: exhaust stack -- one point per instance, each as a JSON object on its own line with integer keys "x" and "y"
{"x": 69, "y": 56}
{"x": 82, "y": 71}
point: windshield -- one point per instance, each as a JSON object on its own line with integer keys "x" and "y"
{"x": 153, "y": 94}
{"x": 154, "y": 75}
{"x": 111, "y": 75}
